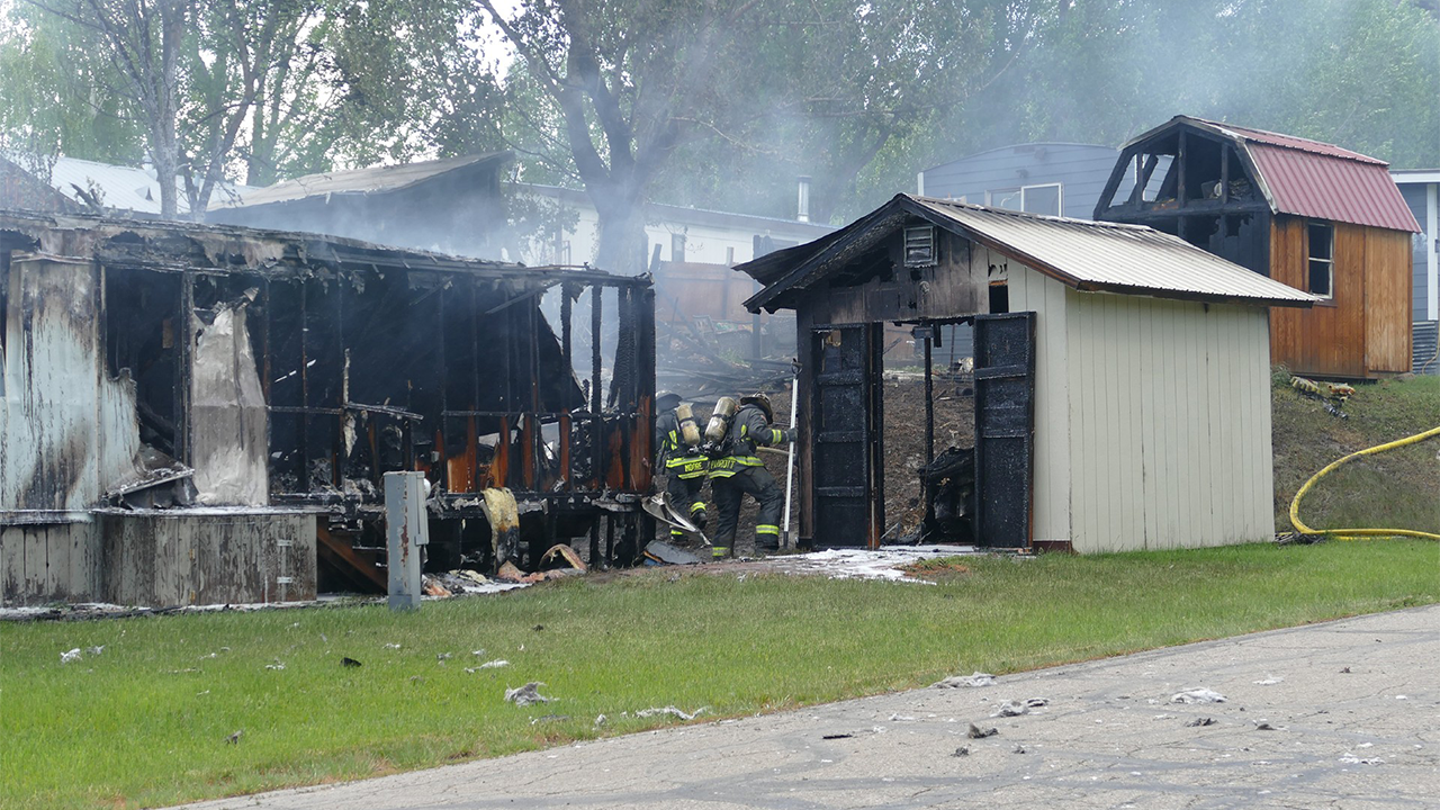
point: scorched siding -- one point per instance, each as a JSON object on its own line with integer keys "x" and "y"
{"x": 1033, "y": 292}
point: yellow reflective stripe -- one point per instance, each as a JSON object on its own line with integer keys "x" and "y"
{"x": 776, "y": 435}
{"x": 698, "y": 506}
{"x": 674, "y": 439}
{"x": 749, "y": 461}
{"x": 766, "y": 528}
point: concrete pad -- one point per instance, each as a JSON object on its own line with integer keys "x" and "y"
{"x": 1296, "y": 730}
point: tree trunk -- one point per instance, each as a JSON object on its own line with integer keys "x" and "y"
{"x": 621, "y": 246}
{"x": 166, "y": 147}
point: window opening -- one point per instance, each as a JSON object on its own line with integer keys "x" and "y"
{"x": 1322, "y": 259}
{"x": 1155, "y": 183}
{"x": 999, "y": 298}
{"x": 1042, "y": 199}
{"x": 1007, "y": 198}
{"x": 677, "y": 247}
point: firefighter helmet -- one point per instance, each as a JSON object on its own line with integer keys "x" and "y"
{"x": 761, "y": 401}
{"x": 665, "y": 400}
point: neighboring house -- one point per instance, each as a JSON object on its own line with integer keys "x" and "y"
{"x": 451, "y": 206}
{"x": 22, "y": 188}
{"x": 1055, "y": 179}
{"x": 83, "y": 184}
{"x": 1421, "y": 188}
{"x": 1311, "y": 215}
{"x": 681, "y": 234}
{"x": 1122, "y": 375}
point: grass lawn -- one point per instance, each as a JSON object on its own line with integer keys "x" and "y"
{"x": 1396, "y": 489}
{"x": 145, "y": 723}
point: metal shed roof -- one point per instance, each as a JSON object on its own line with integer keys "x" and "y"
{"x": 358, "y": 181}
{"x": 1089, "y": 256}
{"x": 1313, "y": 179}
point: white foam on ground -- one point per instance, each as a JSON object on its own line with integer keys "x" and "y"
{"x": 858, "y": 563}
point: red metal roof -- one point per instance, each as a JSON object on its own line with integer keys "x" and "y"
{"x": 1337, "y": 189}
{"x": 1292, "y": 142}
{"x": 1320, "y": 180}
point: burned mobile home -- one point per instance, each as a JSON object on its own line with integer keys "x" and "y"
{"x": 1121, "y": 376}
{"x": 204, "y": 414}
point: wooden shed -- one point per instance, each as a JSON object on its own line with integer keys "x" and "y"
{"x": 1311, "y": 215}
{"x": 1122, "y": 392}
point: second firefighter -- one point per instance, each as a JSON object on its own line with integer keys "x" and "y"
{"x": 738, "y": 472}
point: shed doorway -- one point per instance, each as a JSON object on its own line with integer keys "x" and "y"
{"x": 942, "y": 456}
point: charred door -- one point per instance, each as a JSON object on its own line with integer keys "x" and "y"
{"x": 842, "y": 436}
{"x": 1004, "y": 428}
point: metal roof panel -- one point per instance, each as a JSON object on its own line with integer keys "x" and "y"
{"x": 1338, "y": 189}
{"x": 1092, "y": 256}
{"x": 357, "y": 181}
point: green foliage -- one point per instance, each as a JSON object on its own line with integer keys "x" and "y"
{"x": 145, "y": 722}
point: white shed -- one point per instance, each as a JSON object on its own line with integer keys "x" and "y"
{"x": 1122, "y": 375}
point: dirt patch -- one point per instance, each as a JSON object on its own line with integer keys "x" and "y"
{"x": 938, "y": 568}
{"x": 904, "y": 415}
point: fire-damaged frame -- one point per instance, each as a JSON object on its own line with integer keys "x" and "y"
{"x": 277, "y": 371}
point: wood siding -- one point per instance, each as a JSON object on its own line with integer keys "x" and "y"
{"x": 1388, "y": 301}
{"x": 1169, "y": 423}
{"x": 190, "y": 558}
{"x": 1363, "y": 331}
{"x": 50, "y": 563}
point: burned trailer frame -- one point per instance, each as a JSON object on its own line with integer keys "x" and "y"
{"x": 290, "y": 371}
{"x": 494, "y": 403}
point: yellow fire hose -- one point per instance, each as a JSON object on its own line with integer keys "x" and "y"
{"x": 1353, "y": 534}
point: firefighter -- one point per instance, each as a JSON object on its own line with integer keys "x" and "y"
{"x": 737, "y": 472}
{"x": 685, "y": 466}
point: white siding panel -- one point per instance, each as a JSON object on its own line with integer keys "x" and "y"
{"x": 1170, "y": 433}
{"x": 70, "y": 432}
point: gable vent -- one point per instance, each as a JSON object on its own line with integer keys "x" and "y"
{"x": 920, "y": 246}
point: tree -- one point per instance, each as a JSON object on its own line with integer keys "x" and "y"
{"x": 278, "y": 87}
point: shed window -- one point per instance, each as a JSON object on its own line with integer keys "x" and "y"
{"x": 677, "y": 247}
{"x": 1322, "y": 259}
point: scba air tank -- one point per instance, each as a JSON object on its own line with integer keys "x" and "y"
{"x": 725, "y": 409}
{"x": 689, "y": 428}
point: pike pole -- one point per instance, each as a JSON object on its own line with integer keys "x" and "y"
{"x": 790, "y": 460}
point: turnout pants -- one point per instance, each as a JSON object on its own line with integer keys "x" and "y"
{"x": 685, "y": 496}
{"x": 730, "y": 490}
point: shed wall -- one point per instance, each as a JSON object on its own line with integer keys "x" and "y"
{"x": 1169, "y": 423}
{"x": 1363, "y": 331}
{"x": 1388, "y": 300}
